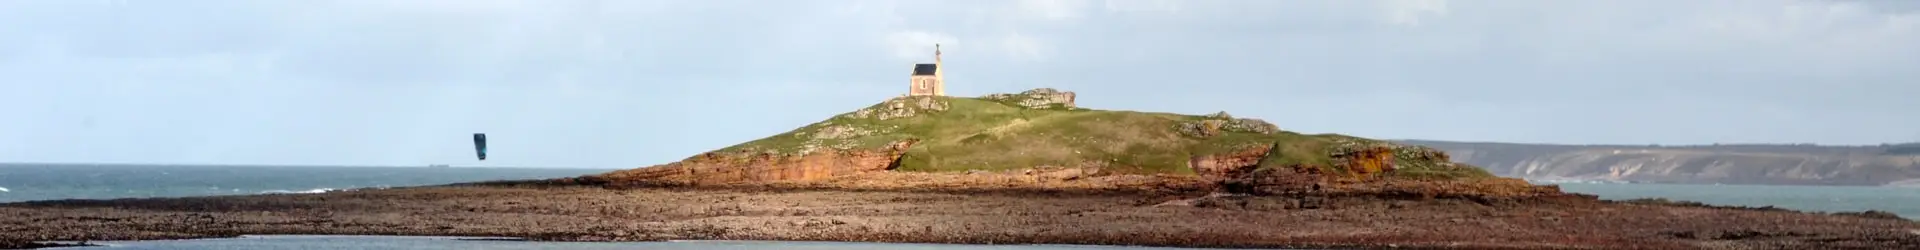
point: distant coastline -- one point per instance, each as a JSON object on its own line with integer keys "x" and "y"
{"x": 1752, "y": 164}
{"x": 1914, "y": 183}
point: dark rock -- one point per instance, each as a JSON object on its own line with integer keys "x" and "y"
{"x": 1874, "y": 214}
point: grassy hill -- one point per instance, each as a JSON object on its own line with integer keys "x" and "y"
{"x": 1042, "y": 127}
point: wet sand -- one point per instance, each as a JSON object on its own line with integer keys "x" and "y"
{"x": 1187, "y": 218}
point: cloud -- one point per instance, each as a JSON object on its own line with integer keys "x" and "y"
{"x": 1141, "y": 6}
{"x": 621, "y": 83}
{"x": 1410, "y": 12}
{"x": 916, "y": 46}
{"x": 1022, "y": 48}
{"x": 1055, "y": 9}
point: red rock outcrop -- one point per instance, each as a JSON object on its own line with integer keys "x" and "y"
{"x": 1365, "y": 162}
{"x": 1229, "y": 165}
{"x": 1307, "y": 180}
{"x": 718, "y": 168}
{"x": 1277, "y": 181}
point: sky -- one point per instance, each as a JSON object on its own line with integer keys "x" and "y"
{"x": 630, "y": 83}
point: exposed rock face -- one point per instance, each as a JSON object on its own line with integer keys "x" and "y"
{"x": 1364, "y": 161}
{"x": 716, "y": 168}
{"x": 1358, "y": 167}
{"x": 1201, "y": 128}
{"x": 1905, "y": 183}
{"x": 1277, "y": 181}
{"x": 1230, "y": 165}
{"x": 1727, "y": 164}
{"x": 902, "y": 107}
{"x": 1297, "y": 181}
{"x": 828, "y": 136}
{"x": 841, "y": 132}
{"x": 1039, "y": 98}
{"x": 1416, "y": 153}
{"x": 1217, "y": 123}
{"x": 1251, "y": 125}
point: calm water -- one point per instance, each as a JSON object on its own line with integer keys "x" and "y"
{"x": 1904, "y": 201}
{"x": 20, "y": 182}
{"x": 42, "y": 182}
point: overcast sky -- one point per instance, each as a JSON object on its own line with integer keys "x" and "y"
{"x": 628, "y": 83}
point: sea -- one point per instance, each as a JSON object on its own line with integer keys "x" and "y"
{"x": 29, "y": 182}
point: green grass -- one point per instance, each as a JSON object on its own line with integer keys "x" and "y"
{"x": 980, "y": 134}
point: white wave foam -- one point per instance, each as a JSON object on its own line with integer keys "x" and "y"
{"x": 309, "y": 191}
{"x": 4, "y": 189}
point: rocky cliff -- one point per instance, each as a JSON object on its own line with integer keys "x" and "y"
{"x": 1795, "y": 164}
{"x": 1043, "y": 129}
{"x": 750, "y": 167}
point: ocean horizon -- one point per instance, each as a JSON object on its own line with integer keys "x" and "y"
{"x": 31, "y": 182}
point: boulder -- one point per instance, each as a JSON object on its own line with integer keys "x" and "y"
{"x": 1201, "y": 128}
{"x": 842, "y": 131}
{"x": 901, "y": 107}
{"x": 1364, "y": 160}
{"x": 1276, "y": 181}
{"x": 1250, "y": 125}
{"x": 1040, "y": 98}
{"x": 1229, "y": 165}
{"x": 1216, "y": 123}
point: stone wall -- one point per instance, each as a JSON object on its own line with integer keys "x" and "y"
{"x": 925, "y": 86}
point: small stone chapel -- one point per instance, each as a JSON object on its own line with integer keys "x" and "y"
{"x": 926, "y": 77}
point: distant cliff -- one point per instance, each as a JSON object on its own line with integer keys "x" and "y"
{"x": 1795, "y": 164}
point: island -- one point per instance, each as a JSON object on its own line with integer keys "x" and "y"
{"x": 1014, "y": 168}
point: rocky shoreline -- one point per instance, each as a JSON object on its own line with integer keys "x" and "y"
{"x": 23, "y": 244}
{"x": 1037, "y": 208}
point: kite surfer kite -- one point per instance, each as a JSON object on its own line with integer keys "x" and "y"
{"x": 480, "y": 145}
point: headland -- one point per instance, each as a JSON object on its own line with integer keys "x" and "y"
{"x": 1016, "y": 168}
